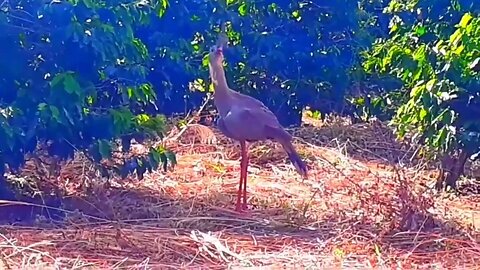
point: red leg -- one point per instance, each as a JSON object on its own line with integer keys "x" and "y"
{"x": 238, "y": 207}
{"x": 241, "y": 206}
{"x": 245, "y": 173}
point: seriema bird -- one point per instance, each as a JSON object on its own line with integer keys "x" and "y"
{"x": 246, "y": 119}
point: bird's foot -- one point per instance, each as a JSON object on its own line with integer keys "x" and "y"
{"x": 239, "y": 208}
{"x": 242, "y": 209}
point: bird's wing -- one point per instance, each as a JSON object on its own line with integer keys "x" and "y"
{"x": 251, "y": 123}
{"x": 224, "y": 129}
{"x": 257, "y": 109}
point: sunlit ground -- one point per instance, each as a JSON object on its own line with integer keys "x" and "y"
{"x": 363, "y": 206}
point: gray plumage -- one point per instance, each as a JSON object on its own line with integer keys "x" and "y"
{"x": 246, "y": 119}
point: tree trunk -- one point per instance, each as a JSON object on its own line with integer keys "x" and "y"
{"x": 451, "y": 169}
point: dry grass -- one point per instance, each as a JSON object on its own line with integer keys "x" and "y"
{"x": 357, "y": 210}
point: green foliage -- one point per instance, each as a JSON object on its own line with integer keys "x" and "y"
{"x": 74, "y": 78}
{"x": 288, "y": 54}
{"x": 93, "y": 75}
{"x": 433, "y": 50}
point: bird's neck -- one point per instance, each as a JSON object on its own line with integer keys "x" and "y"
{"x": 219, "y": 80}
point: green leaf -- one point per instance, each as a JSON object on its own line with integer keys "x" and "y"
{"x": 440, "y": 138}
{"x": 141, "y": 48}
{"x": 198, "y": 85}
{"x": 163, "y": 8}
{"x": 122, "y": 120}
{"x": 448, "y": 117}
{"x": 459, "y": 50}
{"x": 416, "y": 91}
{"x": 430, "y": 84}
{"x": 456, "y": 37}
{"x": 90, "y": 100}
{"x": 130, "y": 92}
{"x": 466, "y": 18}
{"x": 104, "y": 148}
{"x": 155, "y": 155}
{"x": 423, "y": 113}
{"x": 205, "y": 61}
{"x": 394, "y": 28}
{"x": 154, "y": 159}
{"x": 420, "y": 53}
{"x": 142, "y": 168}
{"x": 164, "y": 160}
{"x": 142, "y": 118}
{"x": 242, "y": 9}
{"x": 172, "y": 157}
{"x": 55, "y": 113}
{"x": 57, "y": 79}
{"x": 89, "y": 3}
{"x": 71, "y": 85}
{"x": 272, "y": 7}
{"x": 421, "y": 30}
{"x": 296, "y": 15}
{"x": 42, "y": 106}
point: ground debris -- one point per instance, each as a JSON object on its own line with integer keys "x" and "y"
{"x": 358, "y": 209}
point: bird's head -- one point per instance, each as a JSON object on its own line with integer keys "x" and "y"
{"x": 216, "y": 55}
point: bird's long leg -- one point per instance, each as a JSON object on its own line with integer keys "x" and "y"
{"x": 238, "y": 207}
{"x": 241, "y": 198}
{"x": 245, "y": 172}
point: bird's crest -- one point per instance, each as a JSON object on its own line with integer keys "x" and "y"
{"x": 222, "y": 39}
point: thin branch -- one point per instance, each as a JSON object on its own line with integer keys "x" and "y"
{"x": 176, "y": 137}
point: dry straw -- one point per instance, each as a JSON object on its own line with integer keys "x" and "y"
{"x": 363, "y": 207}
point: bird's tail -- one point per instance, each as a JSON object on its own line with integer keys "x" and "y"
{"x": 281, "y": 136}
{"x": 296, "y": 160}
